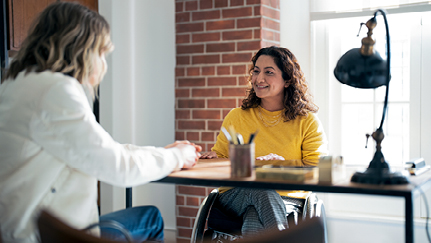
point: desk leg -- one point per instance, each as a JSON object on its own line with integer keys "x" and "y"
{"x": 409, "y": 218}
{"x": 129, "y": 197}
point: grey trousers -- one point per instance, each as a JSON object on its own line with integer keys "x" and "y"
{"x": 260, "y": 209}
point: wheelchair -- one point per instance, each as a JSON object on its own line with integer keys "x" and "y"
{"x": 212, "y": 224}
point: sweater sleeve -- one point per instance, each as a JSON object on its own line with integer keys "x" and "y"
{"x": 66, "y": 128}
{"x": 314, "y": 143}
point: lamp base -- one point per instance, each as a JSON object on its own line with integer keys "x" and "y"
{"x": 381, "y": 176}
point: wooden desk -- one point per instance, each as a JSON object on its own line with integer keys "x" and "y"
{"x": 216, "y": 172}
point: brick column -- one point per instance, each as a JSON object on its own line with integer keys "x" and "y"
{"x": 215, "y": 41}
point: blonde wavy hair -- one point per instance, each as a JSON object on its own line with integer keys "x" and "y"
{"x": 63, "y": 38}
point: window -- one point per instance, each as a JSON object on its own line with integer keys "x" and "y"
{"x": 349, "y": 113}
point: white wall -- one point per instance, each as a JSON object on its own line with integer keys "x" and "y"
{"x": 137, "y": 95}
{"x": 295, "y": 31}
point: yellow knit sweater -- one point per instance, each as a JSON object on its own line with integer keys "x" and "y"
{"x": 302, "y": 139}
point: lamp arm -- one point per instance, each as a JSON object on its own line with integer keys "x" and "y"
{"x": 388, "y": 63}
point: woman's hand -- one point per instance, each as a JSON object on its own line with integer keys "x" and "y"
{"x": 209, "y": 155}
{"x": 270, "y": 156}
{"x": 189, "y": 150}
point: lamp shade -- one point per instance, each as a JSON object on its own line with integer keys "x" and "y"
{"x": 361, "y": 71}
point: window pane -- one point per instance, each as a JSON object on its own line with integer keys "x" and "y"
{"x": 357, "y": 121}
{"x": 400, "y": 56}
{"x": 395, "y": 146}
{"x": 351, "y": 94}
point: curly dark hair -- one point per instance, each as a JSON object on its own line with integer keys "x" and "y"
{"x": 298, "y": 101}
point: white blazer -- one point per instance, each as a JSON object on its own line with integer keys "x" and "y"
{"x": 53, "y": 151}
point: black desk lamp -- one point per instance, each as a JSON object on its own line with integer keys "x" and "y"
{"x": 364, "y": 68}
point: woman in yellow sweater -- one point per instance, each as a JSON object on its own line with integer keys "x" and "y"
{"x": 280, "y": 106}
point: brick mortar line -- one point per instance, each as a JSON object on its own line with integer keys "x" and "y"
{"x": 269, "y": 17}
{"x": 211, "y": 76}
{"x": 218, "y": 30}
{"x": 221, "y": 18}
{"x": 212, "y": 64}
{"x": 214, "y": 86}
{"x": 273, "y": 30}
{"x": 221, "y": 42}
{"x": 227, "y": 7}
{"x": 272, "y": 8}
{"x": 213, "y": 53}
{"x": 216, "y": 42}
{"x": 240, "y": 41}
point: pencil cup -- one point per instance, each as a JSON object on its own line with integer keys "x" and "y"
{"x": 241, "y": 160}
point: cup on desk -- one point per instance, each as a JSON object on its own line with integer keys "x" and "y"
{"x": 241, "y": 158}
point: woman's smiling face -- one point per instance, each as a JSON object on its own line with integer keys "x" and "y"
{"x": 267, "y": 79}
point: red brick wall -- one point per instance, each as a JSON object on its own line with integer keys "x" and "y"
{"x": 215, "y": 41}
